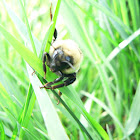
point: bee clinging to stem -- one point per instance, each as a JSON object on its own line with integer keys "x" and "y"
{"x": 64, "y": 59}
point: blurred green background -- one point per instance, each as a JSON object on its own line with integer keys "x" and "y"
{"x": 103, "y": 103}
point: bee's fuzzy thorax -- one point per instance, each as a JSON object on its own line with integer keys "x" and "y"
{"x": 71, "y": 49}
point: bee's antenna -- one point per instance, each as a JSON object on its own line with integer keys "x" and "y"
{"x": 69, "y": 64}
{"x": 51, "y": 12}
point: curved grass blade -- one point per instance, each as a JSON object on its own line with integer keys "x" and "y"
{"x": 53, "y": 27}
{"x": 21, "y": 28}
{"x": 106, "y": 10}
{"x": 51, "y": 119}
{"x": 27, "y": 110}
{"x": 30, "y": 133}
{"x": 71, "y": 93}
{"x": 73, "y": 115}
{"x": 134, "y": 115}
{"x": 2, "y": 136}
{"x": 30, "y": 57}
{"x": 7, "y": 102}
{"x": 105, "y": 108}
{"x": 123, "y": 44}
{"x": 28, "y": 26}
{"x": 16, "y": 74}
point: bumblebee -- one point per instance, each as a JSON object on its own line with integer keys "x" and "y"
{"x": 64, "y": 59}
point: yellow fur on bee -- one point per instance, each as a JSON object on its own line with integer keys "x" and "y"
{"x": 70, "y": 48}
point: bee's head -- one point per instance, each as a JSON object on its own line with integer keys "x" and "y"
{"x": 59, "y": 61}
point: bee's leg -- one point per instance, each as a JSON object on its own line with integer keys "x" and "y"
{"x": 55, "y": 34}
{"x": 51, "y": 12}
{"x": 55, "y": 81}
{"x": 44, "y": 62}
{"x": 33, "y": 72}
{"x": 70, "y": 80}
{"x": 55, "y": 31}
{"x": 59, "y": 93}
{"x": 51, "y": 83}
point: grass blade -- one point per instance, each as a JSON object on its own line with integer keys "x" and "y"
{"x": 2, "y": 136}
{"x": 21, "y": 28}
{"x": 30, "y": 58}
{"x": 134, "y": 115}
{"x": 28, "y": 27}
{"x": 123, "y": 44}
{"x": 48, "y": 111}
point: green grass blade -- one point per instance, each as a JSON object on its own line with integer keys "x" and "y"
{"x": 2, "y": 134}
{"x": 53, "y": 27}
{"x": 31, "y": 134}
{"x": 98, "y": 127}
{"x": 123, "y": 44}
{"x": 97, "y": 25}
{"x": 73, "y": 117}
{"x": 134, "y": 115}
{"x": 16, "y": 74}
{"x": 135, "y": 13}
{"x": 124, "y": 12}
{"x": 106, "y": 10}
{"x": 28, "y": 110}
{"x": 6, "y": 101}
{"x": 30, "y": 58}
{"x": 109, "y": 133}
{"x": 48, "y": 111}
{"x": 21, "y": 28}
{"x": 105, "y": 108}
{"x": 71, "y": 94}
{"x": 28, "y": 27}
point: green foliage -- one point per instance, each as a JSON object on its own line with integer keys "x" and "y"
{"x": 103, "y": 103}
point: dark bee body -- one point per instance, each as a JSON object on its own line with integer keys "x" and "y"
{"x": 64, "y": 58}
{"x": 59, "y": 62}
